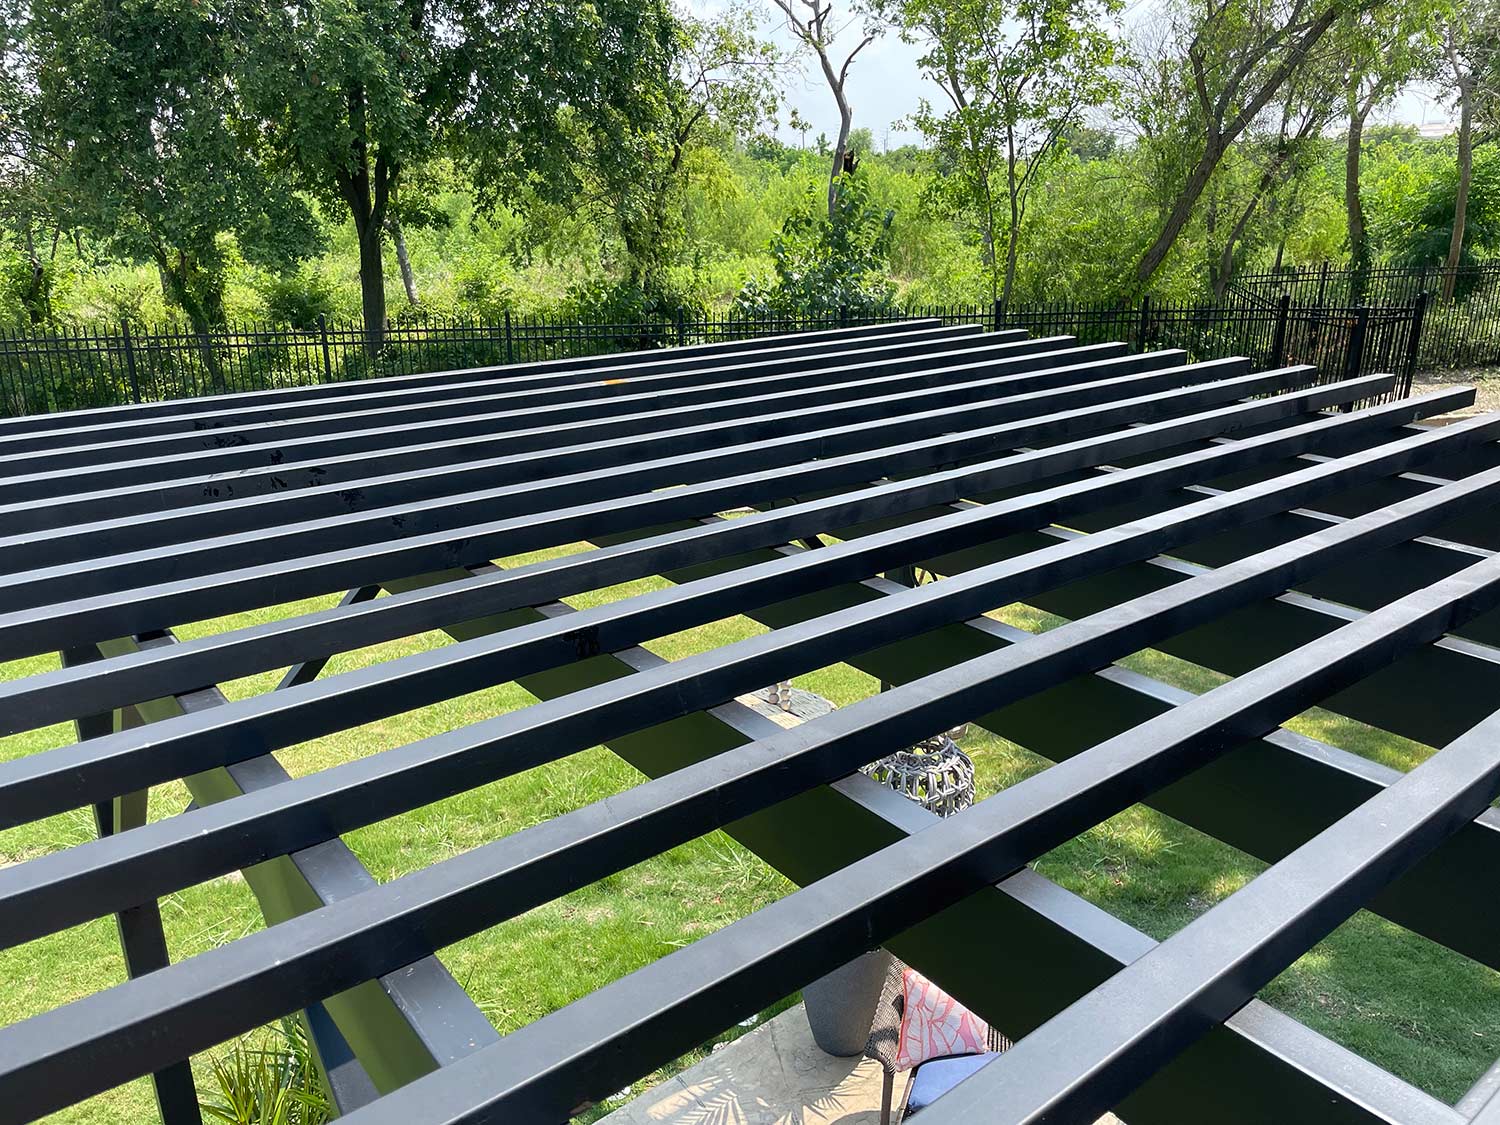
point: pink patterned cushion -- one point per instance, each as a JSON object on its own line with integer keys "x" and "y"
{"x": 934, "y": 1024}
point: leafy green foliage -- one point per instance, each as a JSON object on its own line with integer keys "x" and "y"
{"x": 297, "y": 299}
{"x": 611, "y": 160}
{"x": 1425, "y": 223}
{"x": 824, "y": 267}
{"x": 1017, "y": 75}
{"x": 146, "y": 144}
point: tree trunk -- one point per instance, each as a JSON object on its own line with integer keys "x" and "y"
{"x": 368, "y": 190}
{"x": 1461, "y": 200}
{"x": 1268, "y": 180}
{"x": 35, "y": 299}
{"x": 1359, "y": 241}
{"x": 1211, "y": 228}
{"x": 371, "y": 282}
{"x": 835, "y": 82}
{"x": 1013, "y": 236}
{"x": 1182, "y": 210}
{"x": 1219, "y": 137}
{"x": 204, "y": 312}
{"x": 840, "y": 147}
{"x": 987, "y": 248}
{"x": 1236, "y": 232}
{"x": 403, "y": 259}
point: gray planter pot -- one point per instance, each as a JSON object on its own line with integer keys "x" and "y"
{"x": 841, "y": 1006}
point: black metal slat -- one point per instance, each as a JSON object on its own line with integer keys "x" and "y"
{"x": 306, "y": 489}
{"x": 1095, "y": 1052}
{"x": 578, "y": 368}
{"x": 235, "y": 654}
{"x": 869, "y": 554}
{"x": 649, "y": 1016}
{"x": 521, "y": 530}
{"x": 91, "y": 444}
{"x": 1155, "y": 481}
{"x": 384, "y": 786}
{"x": 89, "y": 554}
{"x": 211, "y": 994}
{"x": 333, "y": 456}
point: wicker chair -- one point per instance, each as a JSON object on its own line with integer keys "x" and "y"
{"x": 885, "y": 1036}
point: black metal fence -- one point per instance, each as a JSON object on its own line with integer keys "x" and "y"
{"x": 67, "y": 368}
{"x": 1340, "y": 341}
{"x": 1462, "y": 333}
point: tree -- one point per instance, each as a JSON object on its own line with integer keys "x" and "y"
{"x": 25, "y": 171}
{"x": 722, "y": 78}
{"x": 1386, "y": 47}
{"x": 1276, "y": 160}
{"x": 800, "y": 125}
{"x": 813, "y": 23}
{"x": 356, "y": 92}
{"x": 1237, "y": 56}
{"x": 827, "y": 268}
{"x": 1469, "y": 51}
{"x": 148, "y": 144}
{"x": 1017, "y": 74}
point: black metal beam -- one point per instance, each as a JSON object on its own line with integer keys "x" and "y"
{"x": 81, "y": 882}
{"x": 122, "y": 520}
{"x": 337, "y": 455}
{"x": 661, "y": 1009}
{"x": 1134, "y": 497}
{"x": 400, "y": 1026}
{"x": 536, "y": 373}
{"x": 212, "y": 995}
{"x": 234, "y": 654}
{"x": 33, "y": 785}
{"x": 1088, "y": 1057}
{"x": 606, "y": 470}
{"x": 54, "y": 450}
{"x": 143, "y": 941}
{"x": 1259, "y": 1064}
{"x": 550, "y": 513}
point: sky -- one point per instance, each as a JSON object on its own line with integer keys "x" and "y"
{"x": 886, "y": 85}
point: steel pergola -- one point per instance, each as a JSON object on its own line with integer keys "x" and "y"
{"x": 1308, "y": 540}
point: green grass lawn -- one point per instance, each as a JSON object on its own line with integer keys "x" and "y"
{"x": 1429, "y": 1015}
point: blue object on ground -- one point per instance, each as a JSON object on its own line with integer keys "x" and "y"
{"x": 936, "y": 1077}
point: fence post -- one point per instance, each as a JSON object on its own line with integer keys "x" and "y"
{"x": 135, "y": 388}
{"x": 1278, "y": 345}
{"x": 843, "y": 316}
{"x": 509, "y": 349}
{"x": 999, "y": 314}
{"x": 681, "y": 329}
{"x": 1144, "y": 329}
{"x": 327, "y": 355}
{"x": 1413, "y": 342}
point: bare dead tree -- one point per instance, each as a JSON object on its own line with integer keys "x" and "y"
{"x": 811, "y": 21}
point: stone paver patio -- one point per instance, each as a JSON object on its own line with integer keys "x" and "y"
{"x": 774, "y": 1075}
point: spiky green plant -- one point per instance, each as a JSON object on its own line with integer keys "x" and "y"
{"x": 268, "y": 1080}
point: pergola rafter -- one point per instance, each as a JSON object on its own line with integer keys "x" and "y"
{"x": 1305, "y": 538}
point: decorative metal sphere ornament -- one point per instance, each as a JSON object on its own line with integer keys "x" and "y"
{"x": 935, "y": 773}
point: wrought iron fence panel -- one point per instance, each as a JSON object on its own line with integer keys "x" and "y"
{"x": 69, "y": 367}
